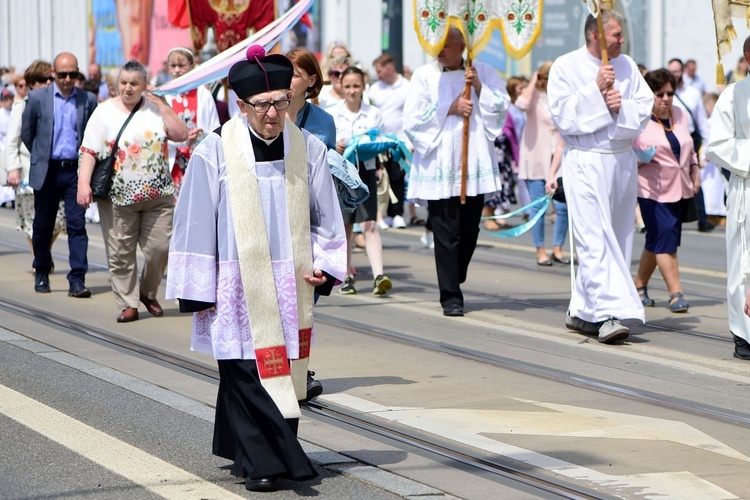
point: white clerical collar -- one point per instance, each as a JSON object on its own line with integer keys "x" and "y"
{"x": 443, "y": 69}
{"x": 267, "y": 141}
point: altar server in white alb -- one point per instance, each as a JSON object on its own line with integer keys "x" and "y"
{"x": 257, "y": 231}
{"x": 434, "y": 121}
{"x": 599, "y": 110}
{"x": 729, "y": 147}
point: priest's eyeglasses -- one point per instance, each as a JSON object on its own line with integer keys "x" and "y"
{"x": 264, "y": 106}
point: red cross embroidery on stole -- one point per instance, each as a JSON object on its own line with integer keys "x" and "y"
{"x": 272, "y": 361}
{"x": 304, "y": 343}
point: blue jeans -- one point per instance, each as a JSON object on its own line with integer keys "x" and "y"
{"x": 536, "y": 191}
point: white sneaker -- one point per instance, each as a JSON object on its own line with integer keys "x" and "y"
{"x": 427, "y": 239}
{"x": 398, "y": 222}
{"x": 612, "y": 331}
{"x": 382, "y": 225}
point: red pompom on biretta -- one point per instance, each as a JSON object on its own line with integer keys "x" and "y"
{"x": 255, "y": 51}
{"x": 260, "y": 73}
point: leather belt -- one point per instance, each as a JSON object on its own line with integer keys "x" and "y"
{"x": 64, "y": 163}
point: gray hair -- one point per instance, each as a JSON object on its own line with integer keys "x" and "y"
{"x": 134, "y": 66}
{"x": 590, "y": 26}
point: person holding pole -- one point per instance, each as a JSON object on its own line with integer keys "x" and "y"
{"x": 600, "y": 102}
{"x": 434, "y": 115}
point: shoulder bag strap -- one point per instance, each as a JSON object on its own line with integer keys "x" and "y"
{"x": 115, "y": 147}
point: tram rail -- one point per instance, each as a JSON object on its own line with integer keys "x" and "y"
{"x": 499, "y": 471}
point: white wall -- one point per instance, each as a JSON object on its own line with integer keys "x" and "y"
{"x": 34, "y": 29}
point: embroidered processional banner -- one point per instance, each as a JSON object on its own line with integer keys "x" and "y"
{"x": 724, "y": 11}
{"x": 520, "y": 22}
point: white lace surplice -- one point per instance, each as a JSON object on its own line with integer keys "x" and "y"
{"x": 203, "y": 262}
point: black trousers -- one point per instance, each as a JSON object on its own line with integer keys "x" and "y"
{"x": 456, "y": 229}
{"x": 60, "y": 184}
{"x": 397, "y": 179}
{"x": 251, "y": 430}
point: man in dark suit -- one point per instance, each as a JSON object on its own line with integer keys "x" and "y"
{"x": 52, "y": 128}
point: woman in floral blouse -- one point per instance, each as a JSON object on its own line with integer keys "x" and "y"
{"x": 141, "y": 201}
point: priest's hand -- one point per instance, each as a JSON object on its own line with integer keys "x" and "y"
{"x": 472, "y": 78}
{"x": 606, "y": 77}
{"x": 613, "y": 99}
{"x": 317, "y": 278}
{"x": 747, "y": 304}
{"x": 461, "y": 107}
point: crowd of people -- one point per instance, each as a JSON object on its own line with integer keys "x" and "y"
{"x": 232, "y": 194}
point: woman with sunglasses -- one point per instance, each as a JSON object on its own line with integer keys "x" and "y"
{"x": 331, "y": 95}
{"x": 22, "y": 88}
{"x": 354, "y": 117}
{"x": 38, "y": 75}
{"x": 668, "y": 178}
{"x": 196, "y": 108}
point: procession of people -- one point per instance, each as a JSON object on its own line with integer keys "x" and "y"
{"x": 245, "y": 215}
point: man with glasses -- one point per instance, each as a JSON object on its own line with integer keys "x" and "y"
{"x": 599, "y": 109}
{"x": 52, "y": 129}
{"x": 257, "y": 231}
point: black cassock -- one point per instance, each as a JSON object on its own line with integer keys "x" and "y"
{"x": 249, "y": 428}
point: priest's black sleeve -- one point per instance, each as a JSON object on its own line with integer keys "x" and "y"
{"x": 327, "y": 287}
{"x": 192, "y": 306}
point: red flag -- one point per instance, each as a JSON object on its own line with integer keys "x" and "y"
{"x": 231, "y": 20}
{"x": 177, "y": 13}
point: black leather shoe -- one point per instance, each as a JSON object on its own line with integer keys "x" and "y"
{"x": 79, "y": 290}
{"x": 560, "y": 260}
{"x": 453, "y": 310}
{"x": 41, "y": 283}
{"x": 741, "y": 348}
{"x": 264, "y": 484}
{"x": 314, "y": 387}
{"x": 706, "y": 228}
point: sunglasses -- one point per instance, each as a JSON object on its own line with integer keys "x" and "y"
{"x": 661, "y": 95}
{"x": 20, "y": 85}
{"x": 62, "y": 75}
{"x": 43, "y": 79}
{"x": 334, "y": 74}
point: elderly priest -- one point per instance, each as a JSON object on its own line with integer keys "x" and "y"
{"x": 257, "y": 231}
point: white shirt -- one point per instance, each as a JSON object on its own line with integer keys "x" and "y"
{"x": 691, "y": 100}
{"x": 390, "y": 99}
{"x": 349, "y": 124}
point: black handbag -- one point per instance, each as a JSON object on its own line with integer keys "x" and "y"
{"x": 559, "y": 194}
{"x": 101, "y": 178}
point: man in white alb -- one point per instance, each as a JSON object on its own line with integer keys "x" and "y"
{"x": 599, "y": 109}
{"x": 434, "y": 122}
{"x": 729, "y": 147}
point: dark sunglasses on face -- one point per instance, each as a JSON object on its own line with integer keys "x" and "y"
{"x": 661, "y": 95}
{"x": 62, "y": 75}
{"x": 334, "y": 74}
{"x": 48, "y": 79}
